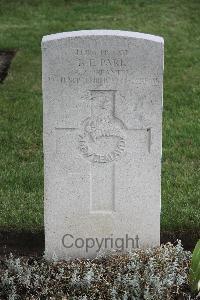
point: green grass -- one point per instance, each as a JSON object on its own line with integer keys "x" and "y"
{"x": 22, "y": 25}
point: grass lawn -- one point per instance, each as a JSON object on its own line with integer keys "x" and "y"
{"x": 22, "y": 25}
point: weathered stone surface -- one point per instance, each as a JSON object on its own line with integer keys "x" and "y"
{"x": 102, "y": 93}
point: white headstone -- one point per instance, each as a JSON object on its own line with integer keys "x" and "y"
{"x": 102, "y": 93}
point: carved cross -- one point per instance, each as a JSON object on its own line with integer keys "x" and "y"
{"x": 102, "y": 142}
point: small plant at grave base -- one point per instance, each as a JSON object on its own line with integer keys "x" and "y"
{"x": 157, "y": 273}
{"x": 195, "y": 269}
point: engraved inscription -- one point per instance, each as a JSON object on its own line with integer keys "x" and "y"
{"x": 73, "y": 80}
{"x": 103, "y": 138}
{"x": 101, "y": 62}
{"x": 108, "y": 62}
{"x": 101, "y": 52}
{"x": 94, "y": 67}
{"x": 100, "y": 67}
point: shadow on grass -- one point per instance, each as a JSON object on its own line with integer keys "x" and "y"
{"x": 6, "y": 57}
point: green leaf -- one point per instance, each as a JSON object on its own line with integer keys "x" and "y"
{"x": 194, "y": 275}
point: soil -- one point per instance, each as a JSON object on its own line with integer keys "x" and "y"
{"x": 6, "y": 57}
{"x": 189, "y": 238}
{"x": 21, "y": 243}
{"x": 27, "y": 243}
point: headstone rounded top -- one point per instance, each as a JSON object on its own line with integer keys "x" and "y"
{"x": 102, "y": 32}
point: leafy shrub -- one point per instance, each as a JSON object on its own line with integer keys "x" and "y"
{"x": 157, "y": 273}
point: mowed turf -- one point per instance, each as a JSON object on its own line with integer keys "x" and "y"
{"x": 22, "y": 25}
